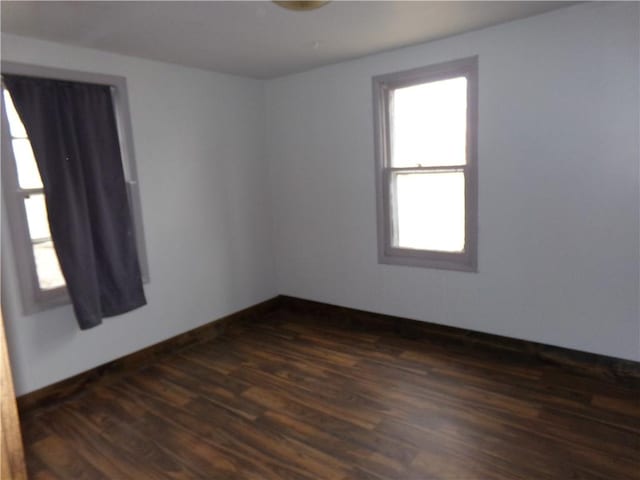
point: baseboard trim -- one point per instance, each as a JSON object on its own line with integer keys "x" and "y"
{"x": 619, "y": 370}
{"x": 59, "y": 391}
{"x": 622, "y": 371}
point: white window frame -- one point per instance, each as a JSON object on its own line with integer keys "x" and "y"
{"x": 35, "y": 299}
{"x": 383, "y": 86}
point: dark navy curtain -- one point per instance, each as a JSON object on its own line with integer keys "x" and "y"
{"x": 74, "y": 136}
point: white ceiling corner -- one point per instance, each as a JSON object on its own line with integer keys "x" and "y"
{"x": 254, "y": 38}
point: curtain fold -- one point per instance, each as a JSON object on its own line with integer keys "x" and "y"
{"x": 73, "y": 132}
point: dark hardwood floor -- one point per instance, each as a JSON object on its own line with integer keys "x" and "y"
{"x": 293, "y": 398}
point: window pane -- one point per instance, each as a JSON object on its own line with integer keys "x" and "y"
{"x": 47, "y": 266}
{"x": 15, "y": 124}
{"x": 430, "y": 211}
{"x": 37, "y": 216}
{"x": 28, "y": 173}
{"x": 429, "y": 124}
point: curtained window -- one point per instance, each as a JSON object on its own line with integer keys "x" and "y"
{"x": 81, "y": 241}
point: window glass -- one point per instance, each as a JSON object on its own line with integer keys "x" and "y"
{"x": 429, "y": 124}
{"x": 15, "y": 124}
{"x": 47, "y": 266}
{"x": 37, "y": 216}
{"x": 28, "y": 173}
{"x": 430, "y": 211}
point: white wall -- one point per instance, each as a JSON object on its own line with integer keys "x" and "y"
{"x": 558, "y": 193}
{"x": 199, "y": 142}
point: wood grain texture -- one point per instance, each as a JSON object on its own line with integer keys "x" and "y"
{"x": 585, "y": 363}
{"x": 12, "y": 464}
{"x": 623, "y": 371}
{"x": 60, "y": 391}
{"x": 294, "y": 395}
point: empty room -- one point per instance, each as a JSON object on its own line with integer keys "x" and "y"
{"x": 320, "y": 240}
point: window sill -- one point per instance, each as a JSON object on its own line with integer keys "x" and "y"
{"x": 461, "y": 262}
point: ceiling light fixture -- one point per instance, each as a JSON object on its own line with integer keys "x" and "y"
{"x": 300, "y": 5}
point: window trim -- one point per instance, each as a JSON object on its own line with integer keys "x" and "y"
{"x": 34, "y": 299}
{"x": 382, "y": 86}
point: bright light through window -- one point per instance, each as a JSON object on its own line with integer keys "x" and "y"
{"x": 429, "y": 124}
{"x": 426, "y": 158}
{"x": 430, "y": 211}
{"x": 45, "y": 260}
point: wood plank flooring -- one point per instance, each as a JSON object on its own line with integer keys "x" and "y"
{"x": 292, "y": 398}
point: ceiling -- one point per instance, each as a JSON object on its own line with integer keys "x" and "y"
{"x": 255, "y": 39}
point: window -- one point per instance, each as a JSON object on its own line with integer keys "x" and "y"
{"x": 426, "y": 166}
{"x": 45, "y": 263}
{"x": 41, "y": 282}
